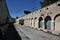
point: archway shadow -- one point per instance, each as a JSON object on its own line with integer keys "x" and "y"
{"x": 40, "y": 23}
{"x": 47, "y": 22}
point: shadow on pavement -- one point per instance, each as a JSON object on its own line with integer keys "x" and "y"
{"x": 10, "y": 34}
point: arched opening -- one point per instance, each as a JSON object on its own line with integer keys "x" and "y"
{"x": 40, "y": 22}
{"x": 57, "y": 22}
{"x": 21, "y": 22}
{"x": 35, "y": 20}
{"x": 48, "y": 23}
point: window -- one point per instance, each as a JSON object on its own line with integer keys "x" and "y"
{"x": 58, "y": 4}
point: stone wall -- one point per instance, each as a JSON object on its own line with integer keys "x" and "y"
{"x": 4, "y": 14}
{"x": 50, "y": 16}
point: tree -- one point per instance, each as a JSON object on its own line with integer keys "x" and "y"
{"x": 26, "y": 12}
{"x": 47, "y": 2}
{"x": 17, "y": 17}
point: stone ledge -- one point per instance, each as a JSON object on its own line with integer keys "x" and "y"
{"x": 56, "y": 33}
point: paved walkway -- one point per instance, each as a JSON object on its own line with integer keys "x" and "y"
{"x": 33, "y": 34}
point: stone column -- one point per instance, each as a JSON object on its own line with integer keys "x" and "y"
{"x": 29, "y": 22}
{"x": 24, "y": 21}
{"x": 52, "y": 25}
{"x": 43, "y": 24}
{"x": 33, "y": 22}
{"x": 37, "y": 22}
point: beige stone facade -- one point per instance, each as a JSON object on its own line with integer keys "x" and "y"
{"x": 46, "y": 19}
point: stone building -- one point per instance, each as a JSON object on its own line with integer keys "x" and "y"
{"x": 46, "y": 19}
{"x": 4, "y": 13}
{"x": 4, "y": 17}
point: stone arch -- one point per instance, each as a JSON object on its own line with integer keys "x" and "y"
{"x": 35, "y": 19}
{"x": 47, "y": 23}
{"x": 21, "y": 22}
{"x": 56, "y": 16}
{"x": 40, "y": 22}
{"x": 57, "y": 22}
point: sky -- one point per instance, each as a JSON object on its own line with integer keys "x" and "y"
{"x": 17, "y": 7}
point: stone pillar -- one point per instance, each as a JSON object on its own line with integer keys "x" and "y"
{"x": 33, "y": 22}
{"x": 27, "y": 22}
{"x": 30, "y": 22}
{"x": 24, "y": 21}
{"x": 17, "y": 21}
{"x": 37, "y": 22}
{"x": 43, "y": 24}
{"x": 52, "y": 25}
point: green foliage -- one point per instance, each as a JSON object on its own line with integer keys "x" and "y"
{"x": 47, "y": 2}
{"x": 26, "y": 12}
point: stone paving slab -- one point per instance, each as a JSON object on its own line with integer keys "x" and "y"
{"x": 35, "y": 34}
{"x": 23, "y": 36}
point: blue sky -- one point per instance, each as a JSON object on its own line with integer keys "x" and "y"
{"x": 17, "y": 7}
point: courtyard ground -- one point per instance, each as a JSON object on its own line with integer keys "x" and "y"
{"x": 28, "y": 33}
